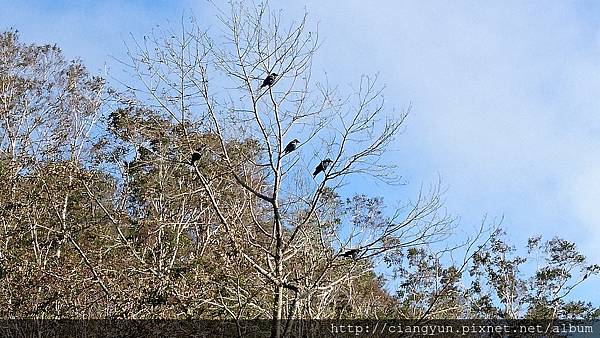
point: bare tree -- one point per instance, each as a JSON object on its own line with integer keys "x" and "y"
{"x": 255, "y": 82}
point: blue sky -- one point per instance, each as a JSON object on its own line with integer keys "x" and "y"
{"x": 505, "y": 96}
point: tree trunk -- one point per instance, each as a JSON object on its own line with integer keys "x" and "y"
{"x": 277, "y": 306}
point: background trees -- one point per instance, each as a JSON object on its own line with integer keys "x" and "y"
{"x": 106, "y": 215}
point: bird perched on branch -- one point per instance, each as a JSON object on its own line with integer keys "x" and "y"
{"x": 322, "y": 166}
{"x": 269, "y": 80}
{"x": 351, "y": 253}
{"x": 196, "y": 155}
{"x": 291, "y": 146}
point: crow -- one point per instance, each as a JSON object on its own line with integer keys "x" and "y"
{"x": 269, "y": 80}
{"x": 291, "y": 146}
{"x": 195, "y": 157}
{"x": 350, "y": 253}
{"x": 322, "y": 166}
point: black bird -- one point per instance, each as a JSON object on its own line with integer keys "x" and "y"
{"x": 322, "y": 166}
{"x": 350, "y": 253}
{"x": 291, "y": 146}
{"x": 269, "y": 80}
{"x": 196, "y": 155}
